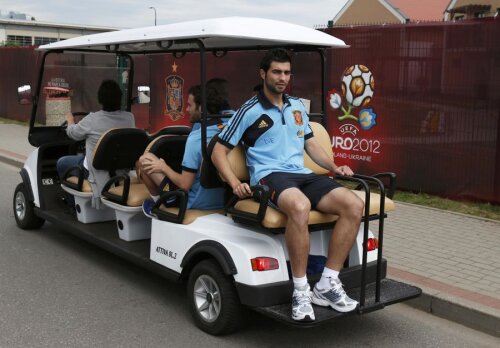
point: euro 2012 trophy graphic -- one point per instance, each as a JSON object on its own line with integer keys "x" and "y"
{"x": 358, "y": 86}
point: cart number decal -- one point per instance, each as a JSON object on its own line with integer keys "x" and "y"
{"x": 165, "y": 252}
{"x": 47, "y": 182}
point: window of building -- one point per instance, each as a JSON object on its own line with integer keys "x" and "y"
{"x": 17, "y": 40}
{"x": 44, "y": 40}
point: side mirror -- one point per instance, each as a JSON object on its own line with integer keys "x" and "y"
{"x": 143, "y": 96}
{"x": 24, "y": 95}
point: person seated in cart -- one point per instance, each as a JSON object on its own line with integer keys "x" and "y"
{"x": 274, "y": 130}
{"x": 156, "y": 174}
{"x": 90, "y": 129}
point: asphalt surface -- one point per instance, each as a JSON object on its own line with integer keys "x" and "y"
{"x": 59, "y": 291}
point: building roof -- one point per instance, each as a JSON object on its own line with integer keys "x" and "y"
{"x": 421, "y": 10}
{"x": 402, "y": 11}
{"x": 32, "y": 23}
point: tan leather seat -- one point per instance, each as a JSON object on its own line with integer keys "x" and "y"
{"x": 85, "y": 186}
{"x": 191, "y": 214}
{"x": 274, "y": 218}
{"x": 137, "y": 194}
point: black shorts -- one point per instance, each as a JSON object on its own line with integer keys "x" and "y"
{"x": 313, "y": 186}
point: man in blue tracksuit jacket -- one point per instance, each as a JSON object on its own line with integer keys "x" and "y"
{"x": 274, "y": 131}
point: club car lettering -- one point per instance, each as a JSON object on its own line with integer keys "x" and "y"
{"x": 47, "y": 182}
{"x": 169, "y": 253}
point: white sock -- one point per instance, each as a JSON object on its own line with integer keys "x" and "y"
{"x": 328, "y": 274}
{"x": 155, "y": 198}
{"x": 299, "y": 283}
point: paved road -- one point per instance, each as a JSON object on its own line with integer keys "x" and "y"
{"x": 58, "y": 291}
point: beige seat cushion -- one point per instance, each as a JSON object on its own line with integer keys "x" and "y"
{"x": 85, "y": 186}
{"x": 137, "y": 194}
{"x": 276, "y": 219}
{"x": 191, "y": 214}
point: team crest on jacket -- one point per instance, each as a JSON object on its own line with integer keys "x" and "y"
{"x": 297, "y": 115}
{"x": 174, "y": 101}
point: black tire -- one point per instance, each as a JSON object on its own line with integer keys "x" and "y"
{"x": 24, "y": 212}
{"x": 208, "y": 287}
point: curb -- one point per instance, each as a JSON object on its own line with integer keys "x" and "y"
{"x": 452, "y": 305}
{"x": 460, "y": 314}
{"x": 436, "y": 304}
{"x": 11, "y": 160}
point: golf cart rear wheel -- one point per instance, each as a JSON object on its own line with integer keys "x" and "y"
{"x": 24, "y": 211}
{"x": 213, "y": 301}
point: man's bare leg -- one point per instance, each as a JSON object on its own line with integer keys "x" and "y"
{"x": 296, "y": 207}
{"x": 329, "y": 291}
{"x": 153, "y": 180}
{"x": 349, "y": 208}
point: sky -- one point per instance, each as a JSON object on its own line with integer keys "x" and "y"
{"x": 136, "y": 13}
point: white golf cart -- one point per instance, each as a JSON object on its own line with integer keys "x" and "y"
{"x": 231, "y": 259}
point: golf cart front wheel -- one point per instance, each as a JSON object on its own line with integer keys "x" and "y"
{"x": 213, "y": 301}
{"x": 24, "y": 211}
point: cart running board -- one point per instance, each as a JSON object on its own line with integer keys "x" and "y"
{"x": 391, "y": 292}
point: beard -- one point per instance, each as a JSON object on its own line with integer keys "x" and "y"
{"x": 274, "y": 89}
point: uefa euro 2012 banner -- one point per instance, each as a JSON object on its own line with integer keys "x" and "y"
{"x": 356, "y": 119}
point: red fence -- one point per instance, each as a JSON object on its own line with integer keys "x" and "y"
{"x": 434, "y": 118}
{"x": 437, "y": 101}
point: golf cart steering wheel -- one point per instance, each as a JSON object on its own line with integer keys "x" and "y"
{"x": 77, "y": 113}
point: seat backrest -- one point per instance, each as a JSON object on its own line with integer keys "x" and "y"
{"x": 171, "y": 130}
{"x": 119, "y": 148}
{"x": 323, "y": 139}
{"x": 170, "y": 148}
{"x": 237, "y": 159}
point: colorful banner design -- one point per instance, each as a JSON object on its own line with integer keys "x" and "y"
{"x": 358, "y": 85}
{"x": 174, "y": 101}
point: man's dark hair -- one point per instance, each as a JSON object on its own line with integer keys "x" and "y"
{"x": 216, "y": 95}
{"x": 195, "y": 91}
{"x": 279, "y": 55}
{"x": 109, "y": 95}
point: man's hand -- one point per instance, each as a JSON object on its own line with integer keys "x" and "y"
{"x": 242, "y": 190}
{"x": 344, "y": 170}
{"x": 70, "y": 119}
{"x": 153, "y": 165}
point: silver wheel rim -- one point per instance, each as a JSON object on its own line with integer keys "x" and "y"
{"x": 207, "y": 298}
{"x": 20, "y": 206}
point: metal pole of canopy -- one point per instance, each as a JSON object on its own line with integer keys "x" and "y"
{"x": 204, "y": 111}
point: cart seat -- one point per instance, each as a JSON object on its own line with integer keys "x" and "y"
{"x": 171, "y": 130}
{"x": 85, "y": 185}
{"x": 191, "y": 214}
{"x": 273, "y": 218}
{"x": 117, "y": 151}
{"x": 276, "y": 219}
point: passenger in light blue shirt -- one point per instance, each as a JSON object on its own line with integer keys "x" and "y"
{"x": 156, "y": 174}
{"x": 274, "y": 130}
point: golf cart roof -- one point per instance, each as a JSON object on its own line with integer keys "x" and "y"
{"x": 230, "y": 33}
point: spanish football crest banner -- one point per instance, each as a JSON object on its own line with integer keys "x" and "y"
{"x": 174, "y": 101}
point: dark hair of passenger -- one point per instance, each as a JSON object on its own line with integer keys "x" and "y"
{"x": 279, "y": 55}
{"x": 195, "y": 91}
{"x": 217, "y": 95}
{"x": 216, "y": 101}
{"x": 109, "y": 95}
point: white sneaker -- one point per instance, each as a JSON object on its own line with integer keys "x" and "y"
{"x": 334, "y": 296}
{"x": 301, "y": 304}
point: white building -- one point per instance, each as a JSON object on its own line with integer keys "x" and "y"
{"x": 23, "y": 30}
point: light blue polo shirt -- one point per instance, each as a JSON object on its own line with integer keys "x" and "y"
{"x": 198, "y": 196}
{"x": 273, "y": 139}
